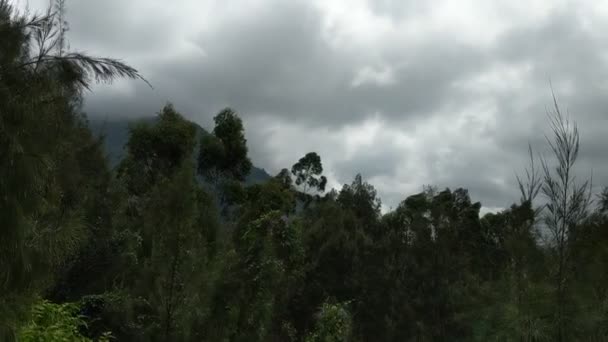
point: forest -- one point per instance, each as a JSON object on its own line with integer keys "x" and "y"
{"x": 172, "y": 244}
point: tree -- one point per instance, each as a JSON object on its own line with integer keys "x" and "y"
{"x": 156, "y": 151}
{"x": 224, "y": 153}
{"x": 44, "y": 176}
{"x": 567, "y": 206}
{"x": 517, "y": 296}
{"x": 177, "y": 251}
{"x": 514, "y": 302}
{"x": 362, "y": 199}
{"x": 336, "y": 250}
{"x": 174, "y": 222}
{"x": 223, "y": 160}
{"x": 253, "y": 293}
{"x": 285, "y": 178}
{"x": 308, "y": 172}
{"x": 434, "y": 253}
{"x": 590, "y": 285}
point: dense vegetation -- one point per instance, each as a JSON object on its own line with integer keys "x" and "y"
{"x": 171, "y": 245}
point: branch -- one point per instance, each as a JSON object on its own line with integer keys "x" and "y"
{"x": 102, "y": 69}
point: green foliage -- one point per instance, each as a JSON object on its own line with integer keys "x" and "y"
{"x": 284, "y": 178}
{"x": 361, "y": 198}
{"x": 224, "y": 154}
{"x": 175, "y": 223}
{"x": 56, "y": 322}
{"x": 50, "y": 167}
{"x": 334, "y": 324}
{"x": 156, "y": 151}
{"x": 264, "y": 272}
{"x": 308, "y": 172}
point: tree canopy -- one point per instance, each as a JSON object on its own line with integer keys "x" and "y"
{"x": 307, "y": 172}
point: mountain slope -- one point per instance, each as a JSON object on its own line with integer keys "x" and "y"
{"x": 116, "y": 135}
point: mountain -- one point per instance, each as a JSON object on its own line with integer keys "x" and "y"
{"x": 116, "y": 135}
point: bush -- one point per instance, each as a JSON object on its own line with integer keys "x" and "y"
{"x": 56, "y": 322}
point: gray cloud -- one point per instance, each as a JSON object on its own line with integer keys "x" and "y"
{"x": 398, "y": 10}
{"x": 396, "y": 90}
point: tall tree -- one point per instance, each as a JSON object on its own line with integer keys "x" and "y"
{"x": 362, "y": 199}
{"x": 156, "y": 150}
{"x": 224, "y": 154}
{"x": 567, "y": 206}
{"x": 170, "y": 214}
{"x": 41, "y": 187}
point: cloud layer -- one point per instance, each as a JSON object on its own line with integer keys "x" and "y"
{"x": 404, "y": 92}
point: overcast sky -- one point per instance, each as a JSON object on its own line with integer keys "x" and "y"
{"x": 405, "y": 92}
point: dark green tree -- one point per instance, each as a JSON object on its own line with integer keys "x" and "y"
{"x": 590, "y": 285}
{"x": 285, "y": 178}
{"x": 251, "y": 303}
{"x": 175, "y": 226}
{"x": 362, "y": 199}
{"x": 45, "y": 177}
{"x": 224, "y": 153}
{"x": 156, "y": 150}
{"x": 307, "y": 172}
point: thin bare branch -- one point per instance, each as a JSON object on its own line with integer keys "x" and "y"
{"x": 530, "y": 187}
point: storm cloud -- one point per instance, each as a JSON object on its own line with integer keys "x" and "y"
{"x": 406, "y": 93}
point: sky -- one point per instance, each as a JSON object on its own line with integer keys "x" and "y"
{"x": 407, "y": 93}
